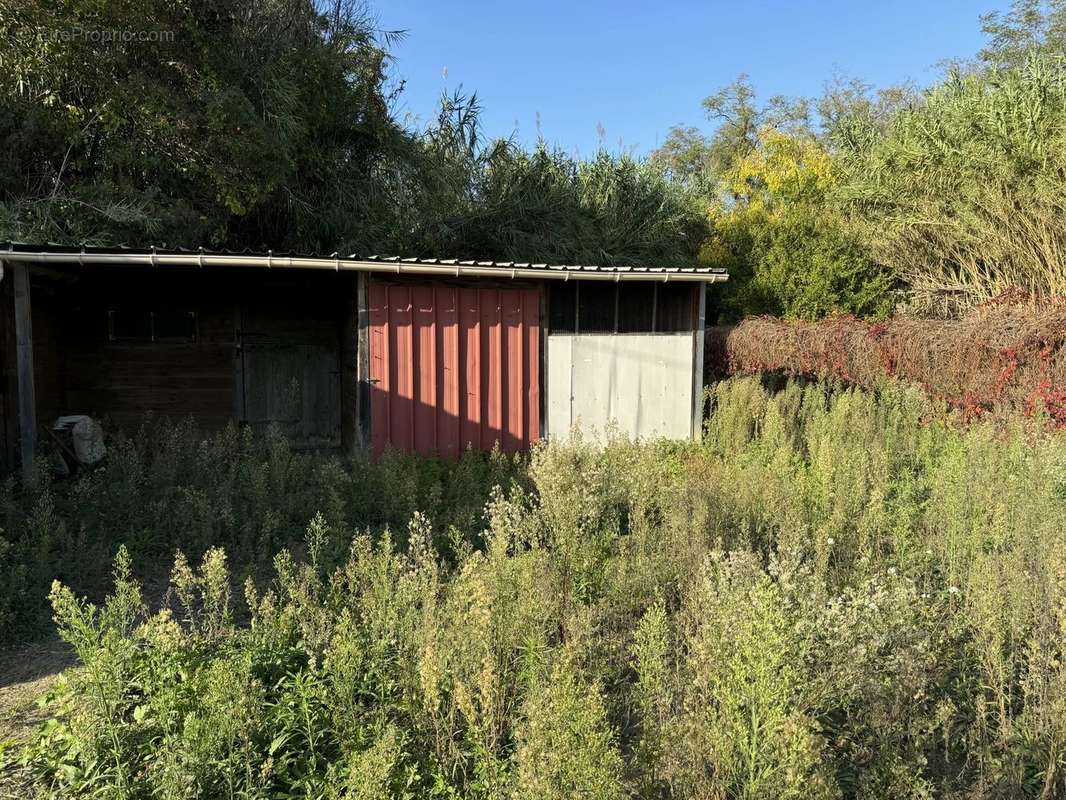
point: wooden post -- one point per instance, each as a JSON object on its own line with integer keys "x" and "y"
{"x": 362, "y": 294}
{"x": 27, "y": 404}
{"x": 355, "y": 366}
{"x": 697, "y": 361}
{"x": 542, "y": 342}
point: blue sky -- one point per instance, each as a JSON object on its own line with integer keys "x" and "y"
{"x": 634, "y": 69}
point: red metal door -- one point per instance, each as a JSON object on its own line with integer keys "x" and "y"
{"x": 452, "y": 368}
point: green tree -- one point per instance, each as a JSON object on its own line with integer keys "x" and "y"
{"x": 789, "y": 251}
{"x": 1030, "y": 26}
{"x": 242, "y": 124}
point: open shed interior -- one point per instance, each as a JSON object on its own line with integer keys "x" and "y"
{"x": 417, "y": 355}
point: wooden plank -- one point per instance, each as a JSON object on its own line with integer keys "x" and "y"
{"x": 350, "y": 363}
{"x": 27, "y": 411}
{"x": 8, "y": 411}
{"x": 240, "y": 411}
{"x": 363, "y": 385}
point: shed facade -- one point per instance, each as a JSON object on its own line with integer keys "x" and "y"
{"x": 345, "y": 353}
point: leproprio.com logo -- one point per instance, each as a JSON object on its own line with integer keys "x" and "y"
{"x": 77, "y": 33}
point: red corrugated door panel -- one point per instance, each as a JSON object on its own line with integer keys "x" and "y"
{"x": 531, "y": 319}
{"x": 491, "y": 362}
{"x": 448, "y": 433}
{"x": 401, "y": 369}
{"x": 470, "y": 368}
{"x": 426, "y": 370}
{"x": 380, "y": 387}
{"x": 513, "y": 369}
{"x": 452, "y": 368}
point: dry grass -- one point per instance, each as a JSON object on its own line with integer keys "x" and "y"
{"x": 26, "y": 674}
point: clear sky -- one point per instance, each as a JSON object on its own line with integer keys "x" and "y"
{"x": 622, "y": 73}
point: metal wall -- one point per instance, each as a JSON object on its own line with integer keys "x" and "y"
{"x": 452, "y": 367}
{"x": 642, "y": 384}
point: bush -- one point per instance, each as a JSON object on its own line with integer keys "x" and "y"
{"x": 834, "y": 594}
{"x": 1004, "y": 358}
{"x": 788, "y": 250}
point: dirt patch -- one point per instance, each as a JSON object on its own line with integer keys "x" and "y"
{"x": 26, "y": 673}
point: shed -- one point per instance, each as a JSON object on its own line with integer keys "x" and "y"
{"x": 429, "y": 355}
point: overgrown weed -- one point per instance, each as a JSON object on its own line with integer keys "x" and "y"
{"x": 831, "y": 596}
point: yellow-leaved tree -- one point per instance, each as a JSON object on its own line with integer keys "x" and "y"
{"x": 787, "y": 248}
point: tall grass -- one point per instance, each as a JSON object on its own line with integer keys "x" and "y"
{"x": 833, "y": 595}
{"x": 169, "y": 487}
{"x": 961, "y": 195}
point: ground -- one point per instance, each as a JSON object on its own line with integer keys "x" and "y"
{"x": 26, "y": 673}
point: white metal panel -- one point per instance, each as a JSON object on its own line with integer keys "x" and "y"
{"x": 640, "y": 384}
{"x": 560, "y": 362}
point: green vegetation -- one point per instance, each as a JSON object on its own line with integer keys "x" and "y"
{"x": 168, "y": 488}
{"x": 961, "y": 196}
{"x": 270, "y": 125}
{"x": 834, "y": 595}
{"x": 928, "y": 202}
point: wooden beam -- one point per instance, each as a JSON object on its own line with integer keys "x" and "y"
{"x": 9, "y": 432}
{"x": 362, "y": 294}
{"x": 27, "y": 403}
{"x": 349, "y": 363}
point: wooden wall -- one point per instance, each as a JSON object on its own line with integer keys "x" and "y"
{"x": 80, "y": 370}
{"x": 8, "y": 378}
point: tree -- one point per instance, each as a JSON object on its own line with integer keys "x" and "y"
{"x": 789, "y": 252}
{"x": 247, "y": 123}
{"x": 1030, "y": 27}
{"x": 689, "y": 155}
{"x": 684, "y": 155}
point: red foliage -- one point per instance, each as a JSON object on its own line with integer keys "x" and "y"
{"x": 1008, "y": 355}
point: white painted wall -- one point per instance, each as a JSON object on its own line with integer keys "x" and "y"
{"x": 642, "y": 383}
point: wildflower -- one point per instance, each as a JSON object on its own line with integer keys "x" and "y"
{"x": 953, "y": 590}
{"x": 829, "y": 541}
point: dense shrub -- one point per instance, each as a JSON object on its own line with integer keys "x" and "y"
{"x": 1005, "y": 357}
{"x": 833, "y": 595}
{"x": 788, "y": 251}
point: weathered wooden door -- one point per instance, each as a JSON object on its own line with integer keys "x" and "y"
{"x": 290, "y": 377}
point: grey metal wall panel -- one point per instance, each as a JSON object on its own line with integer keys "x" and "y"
{"x": 640, "y": 384}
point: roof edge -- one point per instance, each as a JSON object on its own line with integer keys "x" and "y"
{"x": 377, "y": 264}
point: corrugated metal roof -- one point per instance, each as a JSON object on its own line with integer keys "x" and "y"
{"x": 529, "y": 265}
{"x": 68, "y": 254}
